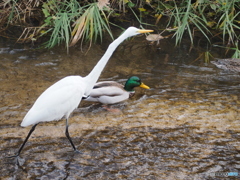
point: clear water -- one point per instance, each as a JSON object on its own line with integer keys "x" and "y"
{"x": 185, "y": 127}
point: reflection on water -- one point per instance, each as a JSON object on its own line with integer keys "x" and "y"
{"x": 185, "y": 127}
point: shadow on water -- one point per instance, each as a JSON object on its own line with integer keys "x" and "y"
{"x": 185, "y": 127}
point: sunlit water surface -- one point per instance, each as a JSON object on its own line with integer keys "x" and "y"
{"x": 185, "y": 127}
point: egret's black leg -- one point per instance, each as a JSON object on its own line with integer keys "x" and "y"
{"x": 20, "y": 149}
{"x": 67, "y": 134}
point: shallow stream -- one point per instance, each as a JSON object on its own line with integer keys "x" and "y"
{"x": 185, "y": 127}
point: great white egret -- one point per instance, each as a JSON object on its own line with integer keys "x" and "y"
{"x": 111, "y": 92}
{"x": 60, "y": 99}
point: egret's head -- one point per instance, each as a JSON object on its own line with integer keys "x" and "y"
{"x": 133, "y": 82}
{"x": 132, "y": 31}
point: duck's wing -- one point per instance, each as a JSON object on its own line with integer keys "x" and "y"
{"x": 107, "y": 88}
{"x": 108, "y": 92}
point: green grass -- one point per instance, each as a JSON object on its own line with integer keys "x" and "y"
{"x": 71, "y": 22}
{"x": 90, "y": 25}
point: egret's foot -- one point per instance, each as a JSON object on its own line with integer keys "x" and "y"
{"x": 17, "y": 162}
{"x": 17, "y": 159}
{"x": 77, "y": 151}
{"x": 14, "y": 156}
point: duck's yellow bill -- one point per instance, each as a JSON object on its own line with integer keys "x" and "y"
{"x": 144, "y": 86}
{"x": 145, "y": 30}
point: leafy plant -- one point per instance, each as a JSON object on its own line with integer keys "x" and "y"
{"x": 59, "y": 16}
{"x": 88, "y": 22}
{"x": 210, "y": 18}
{"x": 186, "y": 18}
{"x": 90, "y": 25}
{"x": 226, "y": 22}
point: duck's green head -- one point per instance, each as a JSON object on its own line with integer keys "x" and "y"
{"x": 133, "y": 82}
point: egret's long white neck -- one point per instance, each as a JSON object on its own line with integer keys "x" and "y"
{"x": 93, "y": 76}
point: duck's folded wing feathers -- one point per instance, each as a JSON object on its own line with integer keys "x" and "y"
{"x": 108, "y": 88}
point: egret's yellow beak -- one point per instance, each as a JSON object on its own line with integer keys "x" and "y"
{"x": 142, "y": 85}
{"x": 144, "y": 30}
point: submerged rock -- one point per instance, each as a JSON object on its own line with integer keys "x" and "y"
{"x": 154, "y": 37}
{"x": 231, "y": 64}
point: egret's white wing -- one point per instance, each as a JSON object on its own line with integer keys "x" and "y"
{"x": 56, "y": 101}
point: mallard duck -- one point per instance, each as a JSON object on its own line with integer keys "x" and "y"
{"x": 111, "y": 92}
{"x": 231, "y": 64}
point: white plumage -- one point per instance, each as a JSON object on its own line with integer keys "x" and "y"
{"x": 60, "y": 99}
{"x": 50, "y": 106}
